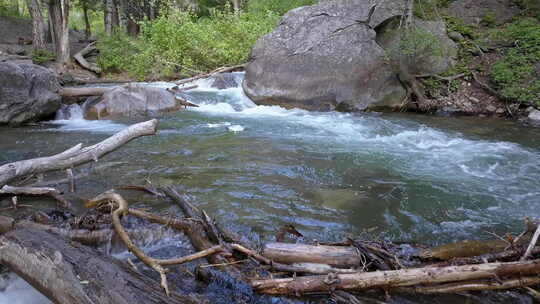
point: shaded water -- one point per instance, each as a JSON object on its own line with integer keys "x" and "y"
{"x": 414, "y": 178}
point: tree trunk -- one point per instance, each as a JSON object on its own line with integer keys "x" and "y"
{"x": 108, "y": 16}
{"x": 237, "y": 6}
{"x": 59, "y": 17}
{"x": 38, "y": 25}
{"x": 123, "y": 15}
{"x": 67, "y": 273}
{"x": 87, "y": 29}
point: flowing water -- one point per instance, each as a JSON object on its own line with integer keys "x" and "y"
{"x": 410, "y": 177}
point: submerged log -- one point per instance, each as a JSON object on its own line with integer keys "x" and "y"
{"x": 66, "y": 273}
{"x": 397, "y": 278}
{"x": 77, "y": 155}
{"x": 338, "y": 256}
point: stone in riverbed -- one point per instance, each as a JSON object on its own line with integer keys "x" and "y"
{"x": 327, "y": 57}
{"x": 28, "y": 93}
{"x": 534, "y": 116}
{"x": 224, "y": 81}
{"x": 132, "y": 100}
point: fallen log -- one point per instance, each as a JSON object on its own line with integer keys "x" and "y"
{"x": 35, "y": 191}
{"x": 338, "y": 256}
{"x": 79, "y": 57}
{"x": 66, "y": 273}
{"x": 77, "y": 155}
{"x": 84, "y": 92}
{"x": 397, "y": 278}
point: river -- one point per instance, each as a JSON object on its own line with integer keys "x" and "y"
{"x": 413, "y": 178}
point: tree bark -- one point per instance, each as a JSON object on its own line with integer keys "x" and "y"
{"x": 397, "y": 278}
{"x": 87, "y": 28}
{"x": 38, "y": 25}
{"x": 66, "y": 273}
{"x": 339, "y": 256}
{"x": 59, "y": 18}
{"x": 108, "y": 16}
{"x": 77, "y": 155}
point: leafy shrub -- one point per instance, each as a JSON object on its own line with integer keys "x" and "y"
{"x": 279, "y": 7}
{"x": 42, "y": 56}
{"x": 182, "y": 43}
{"x": 516, "y": 74}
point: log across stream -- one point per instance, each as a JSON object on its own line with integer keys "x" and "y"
{"x": 255, "y": 169}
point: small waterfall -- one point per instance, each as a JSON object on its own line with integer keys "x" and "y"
{"x": 67, "y": 112}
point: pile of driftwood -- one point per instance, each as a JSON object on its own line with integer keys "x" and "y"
{"x": 59, "y": 262}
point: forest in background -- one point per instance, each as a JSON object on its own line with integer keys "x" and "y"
{"x": 162, "y": 40}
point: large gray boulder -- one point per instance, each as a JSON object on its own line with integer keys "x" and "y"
{"x": 132, "y": 100}
{"x": 28, "y": 93}
{"x": 326, "y": 57}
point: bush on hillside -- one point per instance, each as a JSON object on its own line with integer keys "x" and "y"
{"x": 183, "y": 44}
{"x": 517, "y": 74}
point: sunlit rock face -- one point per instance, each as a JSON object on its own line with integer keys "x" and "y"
{"x": 328, "y": 57}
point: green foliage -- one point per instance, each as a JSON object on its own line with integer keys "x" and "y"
{"x": 516, "y": 74}
{"x": 416, "y": 44}
{"x": 456, "y": 25}
{"x": 183, "y": 44}
{"x": 279, "y": 7}
{"x": 489, "y": 19}
{"x": 429, "y": 9}
{"x": 117, "y": 52}
{"x": 42, "y": 56}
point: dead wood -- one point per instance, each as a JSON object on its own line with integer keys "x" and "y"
{"x": 77, "y": 155}
{"x": 397, "y": 278}
{"x": 120, "y": 207}
{"x": 67, "y": 273}
{"x": 533, "y": 242}
{"x": 84, "y": 92}
{"x": 35, "y": 191}
{"x": 79, "y": 57}
{"x": 474, "y": 286}
{"x": 212, "y": 73}
{"x": 337, "y": 256}
{"x": 198, "y": 236}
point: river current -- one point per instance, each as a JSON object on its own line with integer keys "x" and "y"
{"x": 408, "y": 177}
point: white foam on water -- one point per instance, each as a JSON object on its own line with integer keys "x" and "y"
{"x": 236, "y": 128}
{"x": 410, "y": 148}
{"x": 71, "y": 119}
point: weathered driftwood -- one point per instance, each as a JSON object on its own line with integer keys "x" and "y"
{"x": 397, "y": 278}
{"x": 77, "y": 155}
{"x": 120, "y": 207}
{"x": 66, "y": 273}
{"x": 35, "y": 191}
{"x": 79, "y": 57}
{"x": 84, "y": 92}
{"x": 474, "y": 286}
{"x": 198, "y": 233}
{"x": 338, "y": 256}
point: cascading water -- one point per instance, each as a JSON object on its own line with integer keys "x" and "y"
{"x": 414, "y": 178}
